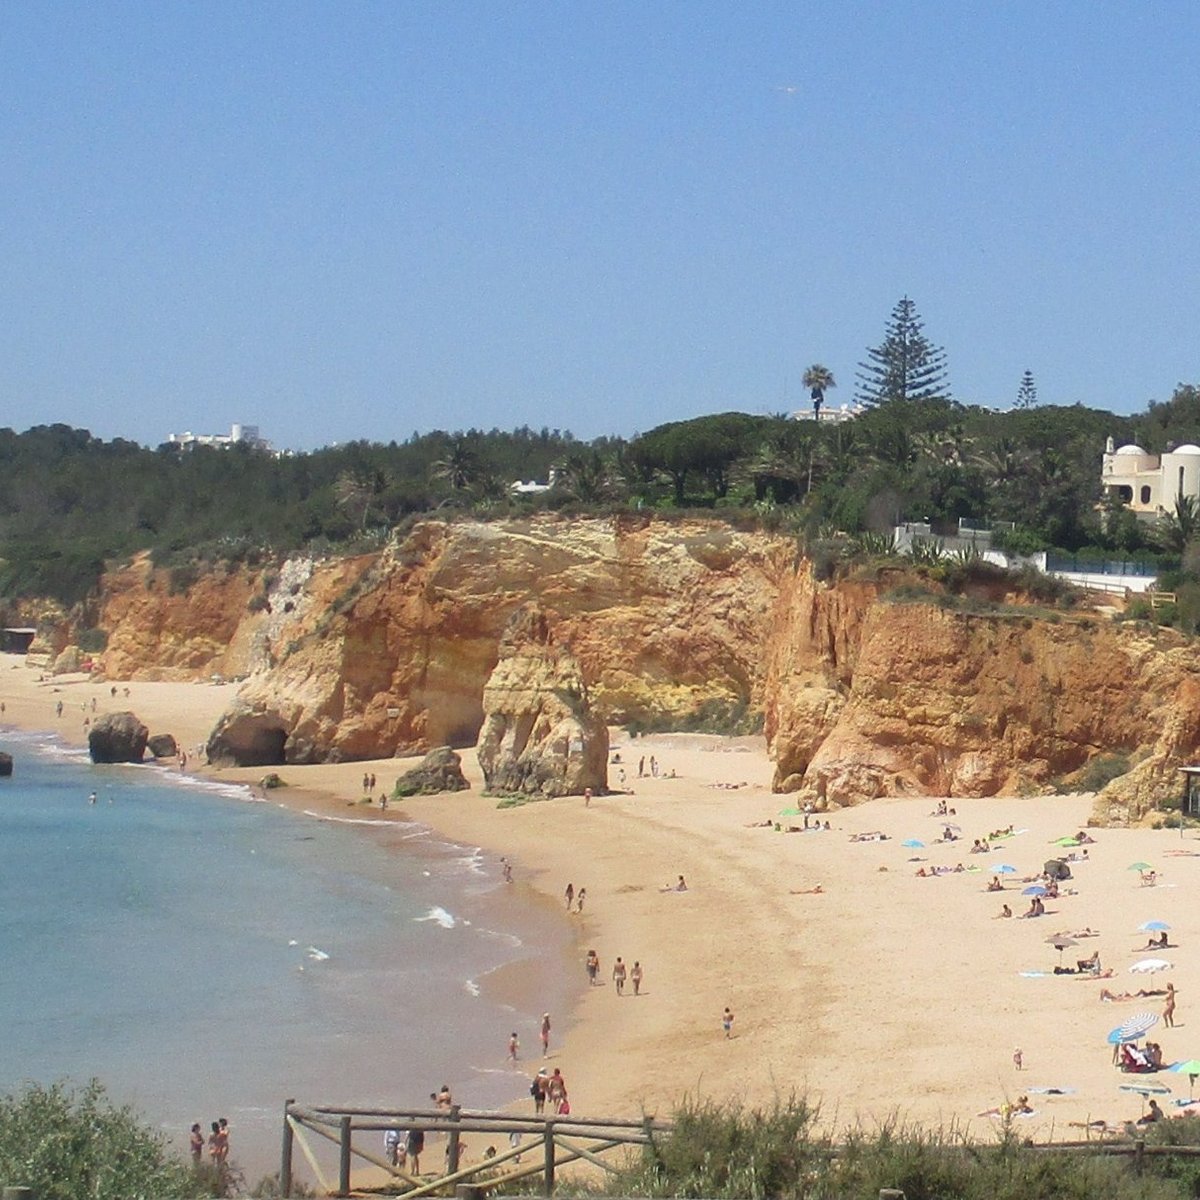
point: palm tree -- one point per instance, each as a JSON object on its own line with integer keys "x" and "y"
{"x": 1175, "y": 530}
{"x": 459, "y": 467}
{"x": 818, "y": 380}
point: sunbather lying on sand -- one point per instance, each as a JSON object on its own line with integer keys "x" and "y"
{"x": 1140, "y": 994}
{"x": 815, "y": 890}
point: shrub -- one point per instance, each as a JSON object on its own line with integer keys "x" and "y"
{"x": 66, "y": 1144}
{"x": 1100, "y": 771}
{"x": 91, "y": 641}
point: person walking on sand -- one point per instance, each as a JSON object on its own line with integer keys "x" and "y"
{"x": 545, "y": 1034}
{"x": 635, "y": 977}
{"x": 513, "y": 1046}
{"x": 579, "y": 899}
{"x": 593, "y": 967}
{"x": 618, "y": 975}
{"x": 727, "y": 1021}
{"x": 587, "y": 797}
{"x": 1169, "y": 1008}
{"x": 570, "y": 895}
{"x": 642, "y": 767}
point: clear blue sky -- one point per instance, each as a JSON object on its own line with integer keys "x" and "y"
{"x": 356, "y": 220}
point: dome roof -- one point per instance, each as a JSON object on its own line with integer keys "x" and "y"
{"x": 1132, "y": 449}
{"x": 1188, "y": 448}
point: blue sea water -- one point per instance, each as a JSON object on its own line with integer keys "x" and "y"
{"x": 204, "y": 954}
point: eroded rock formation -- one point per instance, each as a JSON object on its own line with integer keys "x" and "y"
{"x": 540, "y": 735}
{"x": 117, "y": 738}
{"x": 863, "y": 695}
{"x": 163, "y": 745}
{"x": 439, "y": 771}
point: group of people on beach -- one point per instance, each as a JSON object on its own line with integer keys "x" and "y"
{"x": 217, "y": 1144}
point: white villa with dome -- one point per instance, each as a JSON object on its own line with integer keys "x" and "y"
{"x": 1149, "y": 484}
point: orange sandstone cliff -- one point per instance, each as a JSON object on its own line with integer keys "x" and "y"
{"x": 863, "y": 694}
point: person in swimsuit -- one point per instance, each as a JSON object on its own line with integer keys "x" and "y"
{"x": 196, "y": 1144}
{"x": 593, "y": 967}
{"x": 727, "y": 1022}
{"x": 570, "y": 895}
{"x": 1169, "y": 1008}
{"x": 635, "y": 977}
{"x": 545, "y": 1034}
{"x": 618, "y": 974}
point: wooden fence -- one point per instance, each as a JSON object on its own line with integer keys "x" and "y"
{"x": 557, "y": 1140}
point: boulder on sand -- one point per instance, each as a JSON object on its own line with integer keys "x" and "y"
{"x": 117, "y": 738}
{"x": 439, "y": 771}
{"x": 163, "y": 745}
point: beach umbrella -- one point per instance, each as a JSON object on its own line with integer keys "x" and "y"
{"x": 1034, "y": 889}
{"x": 1115, "y": 1038}
{"x": 790, "y": 812}
{"x": 1189, "y": 1067}
{"x": 1004, "y": 869}
{"x": 1146, "y": 1089}
{"x": 913, "y": 844}
{"x": 1061, "y": 943}
{"x": 1147, "y": 966}
{"x": 952, "y": 828}
{"x": 1140, "y": 866}
{"x": 1153, "y": 926}
{"x": 1136, "y": 1026}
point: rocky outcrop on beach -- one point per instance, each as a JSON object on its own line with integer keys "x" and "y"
{"x": 6, "y": 765}
{"x": 540, "y": 735}
{"x": 439, "y": 771}
{"x": 163, "y": 745}
{"x": 117, "y": 738}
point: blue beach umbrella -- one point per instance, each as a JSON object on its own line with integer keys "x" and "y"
{"x": 1004, "y": 869}
{"x": 913, "y": 844}
{"x": 1034, "y": 889}
{"x": 1153, "y": 926}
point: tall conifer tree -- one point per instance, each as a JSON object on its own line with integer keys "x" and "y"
{"x": 906, "y": 365}
{"x": 1027, "y": 392}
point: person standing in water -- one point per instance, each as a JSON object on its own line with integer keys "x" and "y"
{"x": 545, "y": 1034}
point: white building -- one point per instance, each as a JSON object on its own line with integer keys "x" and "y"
{"x": 246, "y": 435}
{"x": 1150, "y": 484}
{"x": 829, "y": 416}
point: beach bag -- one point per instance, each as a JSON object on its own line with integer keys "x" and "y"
{"x": 564, "y": 1107}
{"x": 535, "y": 1089}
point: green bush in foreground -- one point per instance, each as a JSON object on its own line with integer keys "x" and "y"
{"x": 70, "y": 1144}
{"x": 726, "y": 1152}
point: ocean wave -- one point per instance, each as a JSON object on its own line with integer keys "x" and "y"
{"x": 509, "y": 939}
{"x": 308, "y": 812}
{"x": 471, "y": 987}
{"x": 473, "y": 861}
{"x": 439, "y": 916}
{"x": 317, "y": 955}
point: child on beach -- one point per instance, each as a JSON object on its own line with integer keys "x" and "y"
{"x": 513, "y": 1046}
{"x": 727, "y": 1022}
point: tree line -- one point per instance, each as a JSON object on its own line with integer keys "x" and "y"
{"x": 70, "y": 502}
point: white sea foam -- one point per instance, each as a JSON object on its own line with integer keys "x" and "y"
{"x": 440, "y": 916}
{"x": 344, "y": 820}
{"x": 317, "y": 955}
{"x": 508, "y": 939}
{"x": 471, "y": 987}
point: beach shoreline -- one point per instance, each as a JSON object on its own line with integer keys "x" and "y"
{"x": 884, "y": 996}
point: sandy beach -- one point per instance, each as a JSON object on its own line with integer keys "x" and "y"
{"x": 886, "y": 994}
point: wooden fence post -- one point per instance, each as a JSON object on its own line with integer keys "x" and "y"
{"x": 1139, "y": 1156}
{"x": 452, "y": 1145}
{"x": 344, "y": 1159}
{"x": 285, "y": 1157}
{"x": 548, "y": 1141}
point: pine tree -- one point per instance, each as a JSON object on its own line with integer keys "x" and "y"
{"x": 1027, "y": 392}
{"x": 906, "y": 365}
